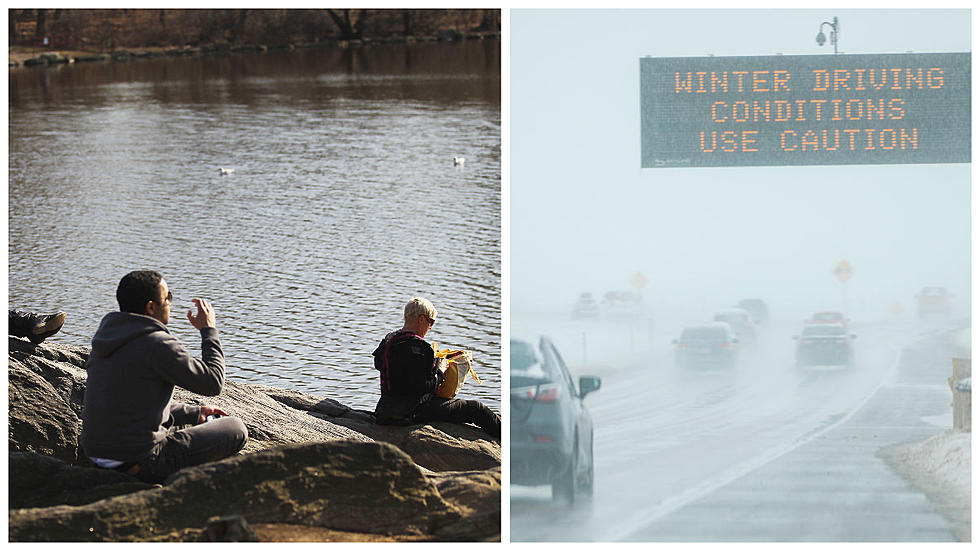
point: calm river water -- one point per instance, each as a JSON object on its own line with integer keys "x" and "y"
{"x": 344, "y": 202}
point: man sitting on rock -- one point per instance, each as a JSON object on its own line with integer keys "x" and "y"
{"x": 410, "y": 375}
{"x": 35, "y": 327}
{"x": 129, "y": 420}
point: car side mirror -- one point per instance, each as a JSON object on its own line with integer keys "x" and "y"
{"x": 673, "y": 341}
{"x": 587, "y": 384}
{"x": 735, "y": 340}
{"x": 796, "y": 337}
{"x": 853, "y": 336}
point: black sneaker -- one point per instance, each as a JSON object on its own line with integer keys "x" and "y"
{"x": 43, "y": 327}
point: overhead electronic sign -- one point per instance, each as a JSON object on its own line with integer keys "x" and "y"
{"x": 805, "y": 110}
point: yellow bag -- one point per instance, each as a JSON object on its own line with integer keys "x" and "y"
{"x": 460, "y": 363}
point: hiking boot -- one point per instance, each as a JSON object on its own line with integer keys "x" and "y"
{"x": 42, "y": 327}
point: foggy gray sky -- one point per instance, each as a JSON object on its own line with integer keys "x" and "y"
{"x": 585, "y": 217}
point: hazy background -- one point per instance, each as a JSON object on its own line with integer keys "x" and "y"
{"x": 585, "y": 217}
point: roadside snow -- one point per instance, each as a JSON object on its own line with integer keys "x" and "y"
{"x": 944, "y": 420}
{"x": 940, "y": 467}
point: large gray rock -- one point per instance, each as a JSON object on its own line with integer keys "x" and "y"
{"x": 296, "y": 441}
{"x": 40, "y": 419}
{"x": 61, "y": 365}
{"x": 477, "y": 495}
{"x": 343, "y": 485}
{"x": 270, "y": 423}
{"x": 436, "y": 446}
{"x": 36, "y": 480}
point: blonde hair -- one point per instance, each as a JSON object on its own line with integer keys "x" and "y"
{"x": 419, "y": 306}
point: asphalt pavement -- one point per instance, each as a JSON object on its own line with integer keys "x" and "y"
{"x": 834, "y": 488}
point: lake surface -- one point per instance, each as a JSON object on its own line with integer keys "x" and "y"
{"x": 344, "y": 202}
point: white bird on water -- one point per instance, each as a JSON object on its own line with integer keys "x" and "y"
{"x": 459, "y": 161}
{"x": 225, "y": 171}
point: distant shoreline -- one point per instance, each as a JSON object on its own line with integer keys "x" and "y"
{"x": 26, "y": 57}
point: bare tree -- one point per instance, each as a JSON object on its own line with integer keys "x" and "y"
{"x": 11, "y": 27}
{"x": 491, "y": 20}
{"x": 40, "y": 22}
{"x": 238, "y": 31}
{"x": 349, "y": 30}
{"x": 407, "y": 22}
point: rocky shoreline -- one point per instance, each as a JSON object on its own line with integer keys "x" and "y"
{"x": 313, "y": 470}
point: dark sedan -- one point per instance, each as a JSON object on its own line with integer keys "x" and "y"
{"x": 550, "y": 427}
{"x": 710, "y": 345}
{"x": 824, "y": 344}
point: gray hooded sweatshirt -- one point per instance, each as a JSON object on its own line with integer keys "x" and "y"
{"x": 132, "y": 370}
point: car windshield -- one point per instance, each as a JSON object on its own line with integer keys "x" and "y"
{"x": 827, "y": 316}
{"x": 525, "y": 361}
{"x": 820, "y": 330}
{"x": 704, "y": 333}
{"x": 522, "y": 356}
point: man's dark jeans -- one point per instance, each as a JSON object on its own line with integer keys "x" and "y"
{"x": 209, "y": 441}
{"x": 459, "y": 411}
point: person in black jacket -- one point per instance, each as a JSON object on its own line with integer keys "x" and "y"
{"x": 129, "y": 421}
{"x": 411, "y": 374}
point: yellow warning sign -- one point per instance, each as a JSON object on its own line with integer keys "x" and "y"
{"x": 844, "y": 271}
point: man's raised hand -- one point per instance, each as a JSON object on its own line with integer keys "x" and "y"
{"x": 205, "y": 314}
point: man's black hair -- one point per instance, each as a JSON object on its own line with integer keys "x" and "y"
{"x": 136, "y": 289}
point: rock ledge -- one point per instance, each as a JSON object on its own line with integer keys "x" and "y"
{"x": 310, "y": 461}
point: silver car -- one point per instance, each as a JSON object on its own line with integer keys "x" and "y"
{"x": 550, "y": 427}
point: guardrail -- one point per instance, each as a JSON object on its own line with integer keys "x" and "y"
{"x": 960, "y": 384}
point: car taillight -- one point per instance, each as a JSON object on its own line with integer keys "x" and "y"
{"x": 546, "y": 393}
{"x": 681, "y": 345}
{"x": 543, "y": 439}
{"x": 725, "y": 345}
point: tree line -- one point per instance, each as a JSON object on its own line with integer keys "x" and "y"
{"x": 107, "y": 29}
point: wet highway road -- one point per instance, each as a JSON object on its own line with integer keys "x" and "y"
{"x": 767, "y": 452}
